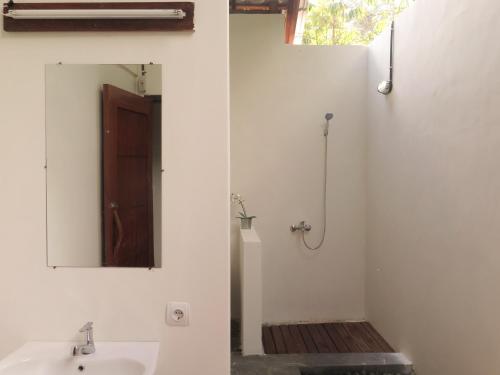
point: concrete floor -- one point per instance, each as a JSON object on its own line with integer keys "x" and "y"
{"x": 322, "y": 364}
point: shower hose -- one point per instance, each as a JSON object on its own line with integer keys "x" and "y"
{"x": 325, "y": 174}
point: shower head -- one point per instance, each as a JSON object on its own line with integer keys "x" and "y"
{"x": 328, "y": 117}
{"x": 385, "y": 87}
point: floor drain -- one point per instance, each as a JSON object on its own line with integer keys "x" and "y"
{"x": 81, "y": 368}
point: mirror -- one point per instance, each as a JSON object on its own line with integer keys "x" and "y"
{"x": 103, "y": 165}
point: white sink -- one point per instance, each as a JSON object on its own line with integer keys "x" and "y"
{"x": 55, "y": 358}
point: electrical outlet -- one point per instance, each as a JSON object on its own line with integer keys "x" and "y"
{"x": 177, "y": 314}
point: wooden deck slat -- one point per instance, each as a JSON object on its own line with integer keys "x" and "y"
{"x": 279, "y": 341}
{"x": 299, "y": 340}
{"x": 357, "y": 336}
{"x": 290, "y": 343}
{"x": 268, "y": 341}
{"x": 308, "y": 340}
{"x": 372, "y": 342}
{"x": 347, "y": 338}
{"x": 324, "y": 338}
{"x": 378, "y": 337}
{"x": 339, "y": 343}
{"x": 321, "y": 339}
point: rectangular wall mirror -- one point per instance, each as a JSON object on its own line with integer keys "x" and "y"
{"x": 103, "y": 165}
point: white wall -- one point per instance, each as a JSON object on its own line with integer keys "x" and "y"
{"x": 38, "y": 303}
{"x": 434, "y": 183}
{"x": 279, "y": 96}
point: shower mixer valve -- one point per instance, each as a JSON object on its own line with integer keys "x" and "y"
{"x": 302, "y": 227}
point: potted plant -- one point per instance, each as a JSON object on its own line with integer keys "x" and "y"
{"x": 245, "y": 220}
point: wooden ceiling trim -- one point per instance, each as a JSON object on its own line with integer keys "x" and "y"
{"x": 268, "y": 7}
{"x": 292, "y": 15}
{"x": 290, "y": 8}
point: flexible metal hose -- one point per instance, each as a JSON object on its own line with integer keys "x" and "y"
{"x": 325, "y": 165}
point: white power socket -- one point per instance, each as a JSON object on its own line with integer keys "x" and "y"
{"x": 177, "y": 314}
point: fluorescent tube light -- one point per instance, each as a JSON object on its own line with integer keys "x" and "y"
{"x": 70, "y": 14}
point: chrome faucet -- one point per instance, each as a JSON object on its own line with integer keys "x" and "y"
{"x": 301, "y": 227}
{"x": 88, "y": 347}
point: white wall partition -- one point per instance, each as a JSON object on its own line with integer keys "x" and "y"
{"x": 251, "y": 292}
{"x": 38, "y": 303}
{"x": 434, "y": 185}
{"x": 280, "y": 95}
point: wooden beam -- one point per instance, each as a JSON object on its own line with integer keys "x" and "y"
{"x": 271, "y": 7}
{"x": 255, "y": 11}
{"x": 274, "y": 6}
{"x": 292, "y": 15}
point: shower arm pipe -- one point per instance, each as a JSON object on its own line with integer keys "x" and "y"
{"x": 391, "y": 57}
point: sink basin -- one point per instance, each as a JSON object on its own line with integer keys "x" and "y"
{"x": 55, "y": 358}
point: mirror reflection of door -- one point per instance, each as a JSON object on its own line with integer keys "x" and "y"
{"x": 127, "y": 179}
{"x": 104, "y": 191}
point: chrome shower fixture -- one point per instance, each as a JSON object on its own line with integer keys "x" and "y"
{"x": 385, "y": 87}
{"x": 303, "y": 227}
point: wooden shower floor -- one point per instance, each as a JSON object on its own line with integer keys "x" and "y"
{"x": 324, "y": 338}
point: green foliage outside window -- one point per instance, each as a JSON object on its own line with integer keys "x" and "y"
{"x": 332, "y": 22}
